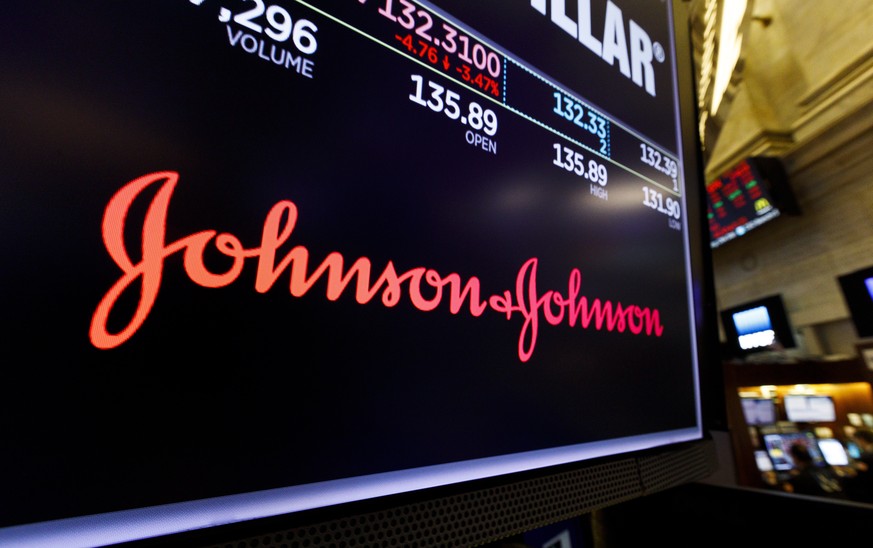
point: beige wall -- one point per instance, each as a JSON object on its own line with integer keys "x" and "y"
{"x": 804, "y": 93}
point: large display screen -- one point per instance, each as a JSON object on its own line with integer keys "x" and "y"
{"x": 263, "y": 256}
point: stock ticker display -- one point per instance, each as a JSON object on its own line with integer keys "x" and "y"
{"x": 418, "y": 233}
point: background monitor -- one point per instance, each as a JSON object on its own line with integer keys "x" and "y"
{"x": 752, "y": 193}
{"x": 778, "y": 446}
{"x": 857, "y": 290}
{"x": 308, "y": 260}
{"x": 853, "y": 449}
{"x": 762, "y": 461}
{"x": 757, "y": 326}
{"x": 759, "y": 411}
{"x": 833, "y": 451}
{"x": 809, "y": 408}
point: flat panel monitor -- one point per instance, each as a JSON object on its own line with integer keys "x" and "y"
{"x": 809, "y": 408}
{"x": 758, "y": 411}
{"x": 833, "y": 451}
{"x": 758, "y": 326}
{"x": 762, "y": 461}
{"x": 857, "y": 290}
{"x": 853, "y": 449}
{"x": 296, "y": 258}
{"x": 753, "y": 192}
{"x": 778, "y": 446}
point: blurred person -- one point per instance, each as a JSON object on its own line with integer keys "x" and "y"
{"x": 809, "y": 479}
{"x": 859, "y": 487}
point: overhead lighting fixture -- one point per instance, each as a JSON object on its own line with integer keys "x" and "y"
{"x": 730, "y": 42}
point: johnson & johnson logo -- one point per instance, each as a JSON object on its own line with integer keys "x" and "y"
{"x": 389, "y": 285}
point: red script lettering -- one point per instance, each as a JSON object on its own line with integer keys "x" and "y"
{"x": 552, "y": 306}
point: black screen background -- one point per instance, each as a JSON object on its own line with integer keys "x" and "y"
{"x": 227, "y": 390}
